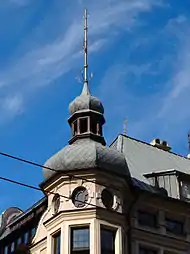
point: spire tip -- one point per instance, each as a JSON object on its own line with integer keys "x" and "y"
{"x": 85, "y": 87}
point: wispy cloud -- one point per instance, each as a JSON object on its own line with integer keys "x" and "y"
{"x": 41, "y": 65}
{"x": 20, "y": 2}
{"x": 176, "y": 103}
{"x": 164, "y": 113}
{"x": 122, "y": 102}
{"x": 11, "y": 106}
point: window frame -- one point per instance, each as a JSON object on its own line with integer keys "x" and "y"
{"x": 86, "y": 118}
{"x": 79, "y": 227}
{"x": 12, "y": 247}
{"x": 26, "y": 237}
{"x": 54, "y": 237}
{"x": 75, "y": 129}
{"x": 93, "y": 126}
{"x": 6, "y": 249}
{"x": 110, "y": 229}
{"x": 184, "y": 186}
{"x": 99, "y": 129}
{"x": 173, "y": 232}
{"x": 151, "y": 213}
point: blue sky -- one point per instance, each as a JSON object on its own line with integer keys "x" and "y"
{"x": 138, "y": 51}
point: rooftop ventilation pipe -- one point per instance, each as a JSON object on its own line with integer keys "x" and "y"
{"x": 160, "y": 144}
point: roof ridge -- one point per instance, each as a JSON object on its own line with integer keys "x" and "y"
{"x": 148, "y": 144}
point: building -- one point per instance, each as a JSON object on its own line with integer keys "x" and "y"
{"x": 17, "y": 228}
{"x": 131, "y": 197}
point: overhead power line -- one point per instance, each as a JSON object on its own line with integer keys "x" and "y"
{"x": 39, "y": 189}
{"x": 51, "y": 192}
{"x": 57, "y": 171}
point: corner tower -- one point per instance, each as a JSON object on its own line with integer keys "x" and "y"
{"x": 86, "y": 184}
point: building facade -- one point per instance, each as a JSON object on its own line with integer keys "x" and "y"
{"x": 130, "y": 197}
{"x": 17, "y": 228}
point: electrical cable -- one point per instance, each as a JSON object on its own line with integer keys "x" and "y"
{"x": 50, "y": 192}
{"x": 57, "y": 171}
{"x": 38, "y": 189}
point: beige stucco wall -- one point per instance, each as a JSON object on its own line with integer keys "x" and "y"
{"x": 69, "y": 216}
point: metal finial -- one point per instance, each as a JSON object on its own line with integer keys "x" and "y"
{"x": 189, "y": 141}
{"x": 85, "y": 79}
{"x": 85, "y": 48}
{"x": 125, "y": 127}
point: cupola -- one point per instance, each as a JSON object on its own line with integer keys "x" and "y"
{"x": 86, "y": 110}
{"x": 86, "y": 149}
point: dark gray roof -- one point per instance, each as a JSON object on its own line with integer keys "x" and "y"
{"x": 86, "y": 154}
{"x": 147, "y": 187}
{"x": 143, "y": 158}
{"x": 86, "y": 102}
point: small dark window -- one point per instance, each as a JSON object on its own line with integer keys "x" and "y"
{"x": 107, "y": 241}
{"x": 80, "y": 243}
{"x": 147, "y": 250}
{"x": 175, "y": 227}
{"x": 6, "y": 250}
{"x": 12, "y": 247}
{"x": 26, "y": 237}
{"x": 99, "y": 129}
{"x": 57, "y": 243}
{"x": 75, "y": 128}
{"x": 93, "y": 126}
{"x": 32, "y": 232}
{"x": 83, "y": 125}
{"x": 147, "y": 219}
{"x": 19, "y": 241}
{"x": 185, "y": 190}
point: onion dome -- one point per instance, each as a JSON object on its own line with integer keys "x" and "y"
{"x": 86, "y": 102}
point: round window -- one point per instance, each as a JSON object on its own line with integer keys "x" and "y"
{"x": 107, "y": 198}
{"x": 80, "y": 196}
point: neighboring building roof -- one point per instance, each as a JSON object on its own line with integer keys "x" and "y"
{"x": 7, "y": 217}
{"x": 147, "y": 187}
{"x": 11, "y": 223}
{"x": 30, "y": 209}
{"x": 143, "y": 158}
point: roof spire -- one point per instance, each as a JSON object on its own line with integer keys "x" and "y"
{"x": 188, "y": 141}
{"x": 85, "y": 89}
{"x": 125, "y": 127}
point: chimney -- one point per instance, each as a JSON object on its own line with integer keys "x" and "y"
{"x": 160, "y": 144}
